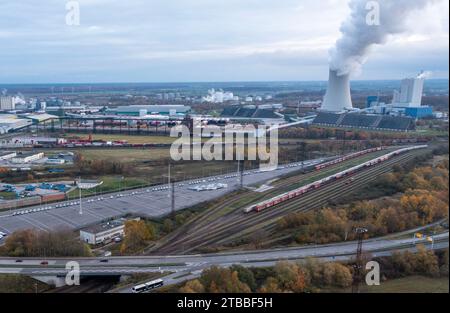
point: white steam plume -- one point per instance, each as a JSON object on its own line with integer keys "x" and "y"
{"x": 425, "y": 75}
{"x": 358, "y": 36}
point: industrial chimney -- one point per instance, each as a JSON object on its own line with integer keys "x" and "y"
{"x": 338, "y": 96}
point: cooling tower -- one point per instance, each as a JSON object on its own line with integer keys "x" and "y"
{"x": 338, "y": 96}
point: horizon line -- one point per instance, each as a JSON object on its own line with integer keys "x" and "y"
{"x": 203, "y": 82}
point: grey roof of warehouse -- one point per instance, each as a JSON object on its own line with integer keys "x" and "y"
{"x": 41, "y": 117}
{"x": 26, "y": 154}
{"x": 3, "y": 153}
{"x": 153, "y": 108}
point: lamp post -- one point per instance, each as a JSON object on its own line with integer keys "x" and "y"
{"x": 79, "y": 192}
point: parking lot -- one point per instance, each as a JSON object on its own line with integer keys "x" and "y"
{"x": 150, "y": 202}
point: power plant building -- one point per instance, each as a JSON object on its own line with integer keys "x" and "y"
{"x": 410, "y": 94}
{"x": 407, "y": 101}
{"x": 337, "y": 97}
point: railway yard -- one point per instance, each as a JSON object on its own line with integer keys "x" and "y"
{"x": 226, "y": 222}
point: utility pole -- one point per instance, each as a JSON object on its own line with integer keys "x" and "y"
{"x": 79, "y": 192}
{"x": 240, "y": 174}
{"x": 358, "y": 267}
{"x": 171, "y": 191}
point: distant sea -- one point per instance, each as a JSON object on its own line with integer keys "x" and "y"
{"x": 436, "y": 86}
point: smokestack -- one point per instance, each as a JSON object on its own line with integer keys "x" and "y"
{"x": 338, "y": 96}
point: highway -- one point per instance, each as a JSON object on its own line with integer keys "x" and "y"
{"x": 144, "y": 202}
{"x": 188, "y": 266}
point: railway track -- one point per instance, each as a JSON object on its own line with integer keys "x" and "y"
{"x": 282, "y": 184}
{"x": 305, "y": 204}
{"x": 318, "y": 202}
{"x": 214, "y": 223}
{"x": 234, "y": 225}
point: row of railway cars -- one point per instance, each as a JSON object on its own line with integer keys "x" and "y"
{"x": 318, "y": 184}
{"x": 347, "y": 157}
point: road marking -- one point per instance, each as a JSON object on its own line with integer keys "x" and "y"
{"x": 62, "y": 219}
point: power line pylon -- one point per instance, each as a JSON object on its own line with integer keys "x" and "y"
{"x": 358, "y": 268}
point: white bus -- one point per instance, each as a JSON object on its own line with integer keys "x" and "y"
{"x": 148, "y": 286}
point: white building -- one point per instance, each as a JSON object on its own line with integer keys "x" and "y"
{"x": 103, "y": 233}
{"x": 7, "y": 155}
{"x": 55, "y": 161}
{"x": 411, "y": 92}
{"x": 7, "y": 103}
{"x": 27, "y": 157}
{"x": 219, "y": 96}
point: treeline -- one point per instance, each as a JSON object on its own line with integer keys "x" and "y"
{"x": 424, "y": 200}
{"x": 424, "y": 262}
{"x": 99, "y": 167}
{"x": 308, "y": 150}
{"x": 314, "y": 132}
{"x": 283, "y": 277}
{"x": 313, "y": 275}
{"x": 33, "y": 243}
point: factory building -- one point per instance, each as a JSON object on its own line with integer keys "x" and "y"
{"x": 23, "y": 158}
{"x": 219, "y": 96}
{"x": 419, "y": 112}
{"x": 406, "y": 102}
{"x": 143, "y": 110}
{"x": 410, "y": 94}
{"x": 6, "y": 155}
{"x": 10, "y": 123}
{"x": 8, "y": 103}
{"x": 103, "y": 233}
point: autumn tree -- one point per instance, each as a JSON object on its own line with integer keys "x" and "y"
{"x": 245, "y": 275}
{"x": 224, "y": 280}
{"x": 193, "y": 286}
{"x": 270, "y": 286}
{"x": 335, "y": 274}
{"x": 290, "y": 276}
{"x": 423, "y": 262}
{"x": 137, "y": 236}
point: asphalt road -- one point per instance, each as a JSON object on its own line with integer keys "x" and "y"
{"x": 186, "y": 267}
{"x": 144, "y": 202}
{"x": 183, "y": 262}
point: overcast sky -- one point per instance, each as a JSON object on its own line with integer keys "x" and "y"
{"x": 202, "y": 40}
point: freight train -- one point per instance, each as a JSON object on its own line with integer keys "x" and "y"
{"x": 347, "y": 157}
{"x": 318, "y": 184}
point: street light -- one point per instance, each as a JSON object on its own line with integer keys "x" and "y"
{"x": 79, "y": 191}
